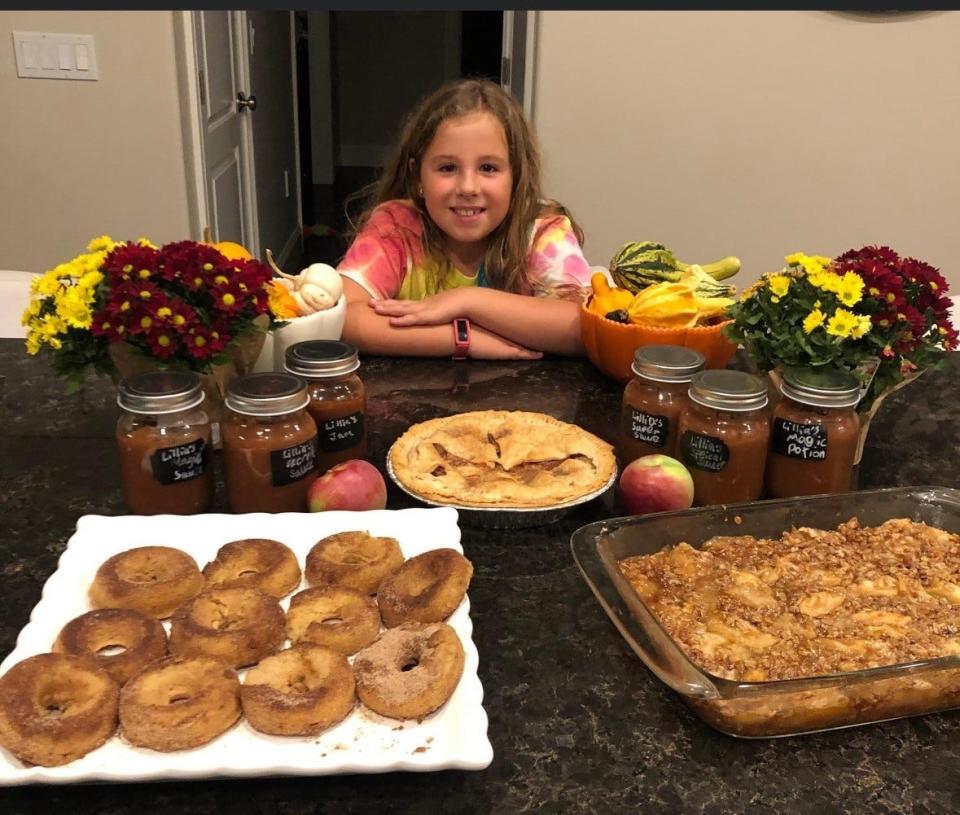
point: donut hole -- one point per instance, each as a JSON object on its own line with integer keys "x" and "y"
{"x": 409, "y": 664}
{"x": 111, "y": 650}
{"x": 331, "y": 621}
{"x": 248, "y": 573}
{"x": 179, "y": 696}
{"x": 54, "y": 706}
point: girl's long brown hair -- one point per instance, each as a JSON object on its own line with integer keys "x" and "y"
{"x": 504, "y": 262}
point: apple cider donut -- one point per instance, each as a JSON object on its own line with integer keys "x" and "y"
{"x": 298, "y": 692}
{"x": 425, "y": 589}
{"x": 357, "y": 560}
{"x": 410, "y": 671}
{"x": 141, "y": 638}
{"x": 55, "y": 708}
{"x": 179, "y": 703}
{"x": 237, "y": 626}
{"x": 345, "y": 620}
{"x": 258, "y": 563}
{"x": 151, "y": 579}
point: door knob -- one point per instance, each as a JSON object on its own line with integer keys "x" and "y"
{"x": 244, "y": 102}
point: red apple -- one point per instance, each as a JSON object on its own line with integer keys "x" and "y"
{"x": 354, "y": 485}
{"x": 655, "y": 484}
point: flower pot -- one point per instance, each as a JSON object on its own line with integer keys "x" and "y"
{"x": 610, "y": 345}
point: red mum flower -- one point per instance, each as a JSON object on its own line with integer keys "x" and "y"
{"x": 198, "y": 342}
{"x": 131, "y": 262}
{"x": 163, "y": 342}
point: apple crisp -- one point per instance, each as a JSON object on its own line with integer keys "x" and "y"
{"x": 810, "y": 603}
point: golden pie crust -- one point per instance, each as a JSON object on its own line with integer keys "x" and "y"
{"x": 501, "y": 458}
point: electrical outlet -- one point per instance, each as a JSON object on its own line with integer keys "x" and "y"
{"x": 46, "y": 55}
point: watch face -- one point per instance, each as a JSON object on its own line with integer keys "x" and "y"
{"x": 463, "y": 334}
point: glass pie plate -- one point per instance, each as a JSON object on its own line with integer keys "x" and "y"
{"x": 779, "y": 707}
{"x": 505, "y": 517}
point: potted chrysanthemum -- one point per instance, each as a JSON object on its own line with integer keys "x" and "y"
{"x": 870, "y": 311}
{"x": 123, "y": 307}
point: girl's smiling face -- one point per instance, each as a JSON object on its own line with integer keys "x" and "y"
{"x": 467, "y": 181}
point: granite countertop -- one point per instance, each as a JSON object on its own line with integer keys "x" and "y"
{"x": 578, "y": 724}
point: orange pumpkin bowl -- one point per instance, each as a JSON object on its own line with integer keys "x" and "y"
{"x": 610, "y": 345}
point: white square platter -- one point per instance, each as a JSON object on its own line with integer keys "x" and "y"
{"x": 455, "y": 737}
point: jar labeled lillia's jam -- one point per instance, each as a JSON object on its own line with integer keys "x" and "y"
{"x": 814, "y": 435}
{"x": 654, "y": 399}
{"x": 269, "y": 443}
{"x": 338, "y": 399}
{"x": 723, "y": 436}
{"x": 163, "y": 436}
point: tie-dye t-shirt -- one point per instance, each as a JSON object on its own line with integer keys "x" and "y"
{"x": 387, "y": 258}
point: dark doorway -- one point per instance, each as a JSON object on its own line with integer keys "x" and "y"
{"x": 368, "y": 69}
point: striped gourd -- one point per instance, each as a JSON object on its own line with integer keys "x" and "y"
{"x": 639, "y": 264}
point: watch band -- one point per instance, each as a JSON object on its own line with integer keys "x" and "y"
{"x": 461, "y": 338}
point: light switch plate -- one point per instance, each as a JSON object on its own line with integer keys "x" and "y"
{"x": 45, "y": 55}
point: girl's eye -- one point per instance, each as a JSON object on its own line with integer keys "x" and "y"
{"x": 446, "y": 168}
{"x": 489, "y": 168}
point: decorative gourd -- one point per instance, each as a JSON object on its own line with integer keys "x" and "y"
{"x": 229, "y": 249}
{"x": 638, "y": 264}
{"x": 316, "y": 288}
{"x": 606, "y": 299}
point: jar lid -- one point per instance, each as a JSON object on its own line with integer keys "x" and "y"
{"x": 667, "y": 363}
{"x": 321, "y": 358}
{"x": 267, "y": 394}
{"x": 821, "y": 387}
{"x": 159, "y": 392}
{"x": 728, "y": 390}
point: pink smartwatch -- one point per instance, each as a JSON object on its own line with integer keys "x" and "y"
{"x": 461, "y": 338}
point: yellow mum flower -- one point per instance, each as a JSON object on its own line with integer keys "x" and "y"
{"x": 73, "y": 308}
{"x": 842, "y": 323}
{"x": 850, "y": 289}
{"x": 31, "y": 311}
{"x": 102, "y": 244}
{"x": 89, "y": 282}
{"x": 813, "y": 320}
{"x": 33, "y": 344}
{"x": 779, "y": 284}
{"x": 794, "y": 259}
{"x": 48, "y": 284}
{"x": 861, "y": 328}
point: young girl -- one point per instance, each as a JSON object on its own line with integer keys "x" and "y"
{"x": 459, "y": 241}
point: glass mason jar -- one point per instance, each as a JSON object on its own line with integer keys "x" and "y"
{"x": 269, "y": 443}
{"x": 724, "y": 435}
{"x": 164, "y": 440}
{"x": 814, "y": 435}
{"x": 654, "y": 399}
{"x": 338, "y": 399}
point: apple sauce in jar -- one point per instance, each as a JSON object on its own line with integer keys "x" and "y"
{"x": 814, "y": 435}
{"x": 269, "y": 443}
{"x": 338, "y": 399}
{"x": 724, "y": 435}
{"x": 163, "y": 438}
{"x": 654, "y": 399}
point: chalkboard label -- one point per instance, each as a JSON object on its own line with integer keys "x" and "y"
{"x": 293, "y": 463}
{"x": 704, "y": 452}
{"x": 647, "y": 427}
{"x": 341, "y": 433}
{"x": 171, "y": 465}
{"x": 803, "y": 441}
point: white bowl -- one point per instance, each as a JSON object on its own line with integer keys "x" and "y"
{"x": 323, "y": 325}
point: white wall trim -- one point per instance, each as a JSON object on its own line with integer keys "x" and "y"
{"x": 186, "y": 51}
{"x": 363, "y": 155}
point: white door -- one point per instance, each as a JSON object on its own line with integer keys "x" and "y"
{"x": 516, "y": 66}
{"x": 225, "y": 110}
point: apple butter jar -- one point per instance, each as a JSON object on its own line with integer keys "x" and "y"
{"x": 654, "y": 399}
{"x": 814, "y": 435}
{"x": 163, "y": 436}
{"x": 338, "y": 400}
{"x": 723, "y": 436}
{"x": 269, "y": 443}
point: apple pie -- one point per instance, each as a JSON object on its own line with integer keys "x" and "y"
{"x": 501, "y": 458}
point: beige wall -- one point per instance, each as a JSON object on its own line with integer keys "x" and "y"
{"x": 80, "y": 159}
{"x": 755, "y": 134}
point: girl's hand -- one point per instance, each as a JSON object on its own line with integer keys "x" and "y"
{"x": 434, "y": 310}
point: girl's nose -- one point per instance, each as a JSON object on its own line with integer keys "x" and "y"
{"x": 467, "y": 183}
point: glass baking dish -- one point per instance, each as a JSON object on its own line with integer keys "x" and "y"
{"x": 781, "y": 707}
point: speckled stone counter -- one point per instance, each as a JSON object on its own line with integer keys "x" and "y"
{"x": 578, "y": 724}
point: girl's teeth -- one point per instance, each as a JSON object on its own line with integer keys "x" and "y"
{"x": 467, "y": 212}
